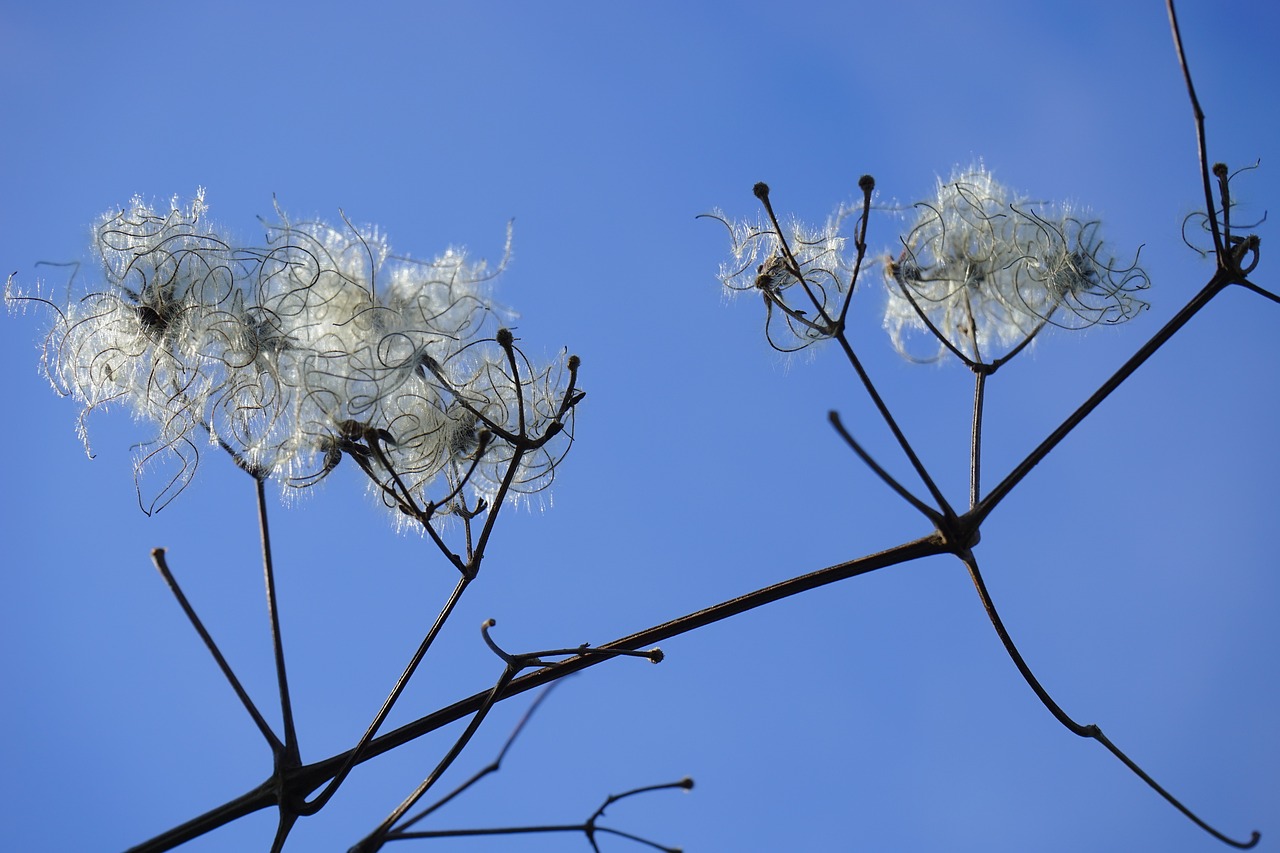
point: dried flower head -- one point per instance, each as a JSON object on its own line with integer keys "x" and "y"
{"x": 983, "y": 272}
{"x": 801, "y": 275}
{"x": 320, "y": 345}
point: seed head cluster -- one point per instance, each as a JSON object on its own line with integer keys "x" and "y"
{"x": 318, "y": 345}
{"x": 799, "y": 310}
{"x": 982, "y": 271}
{"x": 979, "y": 270}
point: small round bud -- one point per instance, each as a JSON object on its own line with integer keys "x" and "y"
{"x": 505, "y": 338}
{"x": 761, "y": 190}
{"x": 866, "y": 183}
{"x": 686, "y": 783}
{"x": 574, "y": 362}
{"x": 1220, "y": 169}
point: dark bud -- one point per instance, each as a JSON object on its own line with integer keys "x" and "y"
{"x": 1220, "y": 169}
{"x": 505, "y": 338}
{"x": 866, "y": 183}
{"x": 574, "y": 362}
{"x": 150, "y": 318}
{"x": 686, "y": 783}
{"x": 761, "y": 190}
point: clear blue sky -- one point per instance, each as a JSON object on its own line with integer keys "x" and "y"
{"x": 1135, "y": 567}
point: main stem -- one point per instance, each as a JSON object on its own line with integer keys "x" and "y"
{"x": 312, "y": 776}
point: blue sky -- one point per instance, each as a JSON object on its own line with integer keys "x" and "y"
{"x": 1134, "y": 567}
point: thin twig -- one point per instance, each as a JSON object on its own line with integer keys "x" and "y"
{"x": 358, "y": 753}
{"x": 1215, "y": 286}
{"x": 892, "y": 423}
{"x": 158, "y": 557}
{"x": 374, "y": 840}
{"x": 888, "y": 479}
{"x": 291, "y": 753}
{"x": 312, "y": 776}
{"x": 1210, "y": 207}
{"x": 490, "y": 768}
{"x": 589, "y": 827}
{"x": 1085, "y": 731}
{"x": 975, "y": 441}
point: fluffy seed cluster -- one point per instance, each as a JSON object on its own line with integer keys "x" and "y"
{"x": 980, "y": 270}
{"x": 983, "y": 271}
{"x": 799, "y": 311}
{"x": 289, "y": 356}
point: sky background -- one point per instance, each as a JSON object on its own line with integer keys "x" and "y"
{"x": 1135, "y": 567}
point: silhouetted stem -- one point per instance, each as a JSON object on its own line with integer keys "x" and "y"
{"x": 975, "y": 442}
{"x": 884, "y": 475}
{"x": 589, "y": 827}
{"x": 1266, "y": 294}
{"x": 1210, "y": 207}
{"x": 1215, "y": 286}
{"x": 892, "y": 423}
{"x": 492, "y": 767}
{"x": 312, "y": 776}
{"x": 1085, "y": 731}
{"x": 375, "y": 839}
{"x": 277, "y": 643}
{"x": 158, "y": 557}
{"x": 360, "y": 752}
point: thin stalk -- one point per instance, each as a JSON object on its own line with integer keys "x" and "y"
{"x": 375, "y": 839}
{"x": 158, "y": 557}
{"x": 867, "y": 184}
{"x": 1266, "y": 294}
{"x": 358, "y": 753}
{"x": 312, "y": 776}
{"x": 1085, "y": 731}
{"x": 493, "y": 766}
{"x": 930, "y": 545}
{"x": 1215, "y": 286}
{"x": 889, "y": 420}
{"x": 291, "y": 754}
{"x": 888, "y": 479}
{"x": 474, "y": 557}
{"x": 975, "y": 442}
{"x": 1202, "y": 147}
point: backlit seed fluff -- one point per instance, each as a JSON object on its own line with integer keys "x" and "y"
{"x": 318, "y": 344}
{"x": 799, "y": 309}
{"x": 982, "y": 271}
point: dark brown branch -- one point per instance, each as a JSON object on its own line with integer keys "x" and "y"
{"x": 310, "y": 777}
